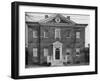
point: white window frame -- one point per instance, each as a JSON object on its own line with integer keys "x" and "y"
{"x": 34, "y": 34}
{"x": 68, "y": 50}
{"x": 45, "y": 36}
{"x": 77, "y": 51}
{"x": 57, "y": 33}
{"x": 78, "y": 34}
{"x": 35, "y": 52}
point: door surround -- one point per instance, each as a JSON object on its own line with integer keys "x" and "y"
{"x": 56, "y": 45}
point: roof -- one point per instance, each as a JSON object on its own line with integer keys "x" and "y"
{"x": 54, "y": 16}
{"x": 59, "y": 20}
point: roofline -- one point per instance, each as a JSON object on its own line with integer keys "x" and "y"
{"x": 63, "y": 24}
{"x": 56, "y": 24}
{"x": 30, "y": 22}
{"x": 81, "y": 24}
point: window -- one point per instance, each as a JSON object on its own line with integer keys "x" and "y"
{"x": 45, "y": 34}
{"x": 77, "y": 34}
{"x": 45, "y": 52}
{"x": 77, "y": 51}
{"x": 68, "y": 51}
{"x": 57, "y": 20}
{"x": 57, "y": 33}
{"x": 34, "y": 52}
{"x": 68, "y": 33}
{"x": 34, "y": 34}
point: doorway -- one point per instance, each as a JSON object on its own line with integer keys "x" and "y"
{"x": 57, "y": 54}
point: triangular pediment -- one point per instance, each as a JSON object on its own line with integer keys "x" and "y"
{"x": 58, "y": 18}
{"x": 57, "y": 43}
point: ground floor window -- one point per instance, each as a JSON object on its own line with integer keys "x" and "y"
{"x": 34, "y": 34}
{"x": 34, "y": 52}
{"x": 77, "y": 51}
{"x": 45, "y": 52}
{"x": 77, "y": 34}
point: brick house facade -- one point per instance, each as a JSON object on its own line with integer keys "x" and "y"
{"x": 56, "y": 41}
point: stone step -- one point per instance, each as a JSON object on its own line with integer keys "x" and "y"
{"x": 56, "y": 63}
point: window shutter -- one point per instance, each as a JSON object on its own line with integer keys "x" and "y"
{"x": 77, "y": 51}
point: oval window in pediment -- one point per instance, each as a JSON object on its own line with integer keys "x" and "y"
{"x": 57, "y": 20}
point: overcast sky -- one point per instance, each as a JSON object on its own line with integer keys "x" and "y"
{"x": 81, "y": 19}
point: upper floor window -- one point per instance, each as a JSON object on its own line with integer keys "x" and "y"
{"x": 77, "y": 34}
{"x": 34, "y": 34}
{"x": 77, "y": 51}
{"x": 34, "y": 52}
{"x": 45, "y": 34}
{"x": 57, "y": 33}
{"x": 68, "y": 33}
{"x": 45, "y": 52}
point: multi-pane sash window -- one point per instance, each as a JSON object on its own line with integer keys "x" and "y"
{"x": 68, "y": 51}
{"x": 45, "y": 34}
{"x": 77, "y": 34}
{"x": 68, "y": 34}
{"x": 34, "y": 34}
{"x": 45, "y": 52}
{"x": 34, "y": 52}
{"x": 57, "y": 33}
{"x": 77, "y": 51}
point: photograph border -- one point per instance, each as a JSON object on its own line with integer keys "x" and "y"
{"x": 15, "y": 39}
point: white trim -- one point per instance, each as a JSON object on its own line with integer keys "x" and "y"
{"x": 57, "y": 33}
{"x": 57, "y": 44}
{"x": 34, "y": 34}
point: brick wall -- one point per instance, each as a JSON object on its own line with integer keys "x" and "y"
{"x": 70, "y": 42}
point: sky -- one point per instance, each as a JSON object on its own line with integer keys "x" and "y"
{"x": 78, "y": 18}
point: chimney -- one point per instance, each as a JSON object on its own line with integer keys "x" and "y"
{"x": 46, "y": 16}
{"x": 68, "y": 17}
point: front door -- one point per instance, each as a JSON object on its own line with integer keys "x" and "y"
{"x": 57, "y": 53}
